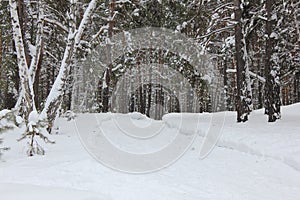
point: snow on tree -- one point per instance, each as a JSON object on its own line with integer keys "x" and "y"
{"x": 244, "y": 91}
{"x": 272, "y": 69}
{"x": 53, "y": 102}
{"x": 26, "y": 99}
{"x": 254, "y": 44}
{"x": 27, "y": 70}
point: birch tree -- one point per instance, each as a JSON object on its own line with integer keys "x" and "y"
{"x": 26, "y": 99}
{"x": 48, "y": 36}
{"x": 54, "y": 98}
{"x": 28, "y": 69}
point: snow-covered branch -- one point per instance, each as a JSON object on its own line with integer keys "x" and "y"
{"x": 53, "y": 101}
{"x": 27, "y": 96}
{"x": 218, "y": 31}
{"x": 84, "y": 21}
{"x": 252, "y": 74}
{"x": 56, "y": 23}
{"x": 38, "y": 42}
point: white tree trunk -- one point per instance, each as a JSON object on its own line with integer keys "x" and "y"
{"x": 36, "y": 52}
{"x": 54, "y": 98}
{"x": 26, "y": 100}
{"x": 38, "y": 43}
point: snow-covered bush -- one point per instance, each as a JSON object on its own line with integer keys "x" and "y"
{"x": 8, "y": 120}
{"x": 35, "y": 128}
{"x": 70, "y": 115}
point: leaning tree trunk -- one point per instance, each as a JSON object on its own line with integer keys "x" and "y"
{"x": 243, "y": 89}
{"x": 272, "y": 87}
{"x": 54, "y": 99}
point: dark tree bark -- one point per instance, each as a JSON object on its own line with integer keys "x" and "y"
{"x": 0, "y": 60}
{"x": 297, "y": 87}
{"x": 242, "y": 92}
{"x": 272, "y": 87}
{"x": 37, "y": 96}
{"x": 225, "y": 82}
{"x": 107, "y": 79}
{"x": 149, "y": 91}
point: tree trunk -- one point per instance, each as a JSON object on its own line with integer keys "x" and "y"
{"x": 225, "y": 82}
{"x": 26, "y": 101}
{"x": 37, "y": 81}
{"x": 108, "y": 71}
{"x": 297, "y": 86}
{"x": 272, "y": 87}
{"x": 243, "y": 93}
{"x": 0, "y": 61}
{"x": 54, "y": 99}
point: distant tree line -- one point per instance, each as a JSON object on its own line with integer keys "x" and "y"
{"x": 255, "y": 45}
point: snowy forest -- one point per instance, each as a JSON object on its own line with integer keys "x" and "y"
{"x": 80, "y": 85}
{"x": 254, "y": 45}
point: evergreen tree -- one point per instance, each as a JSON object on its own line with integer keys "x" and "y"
{"x": 244, "y": 91}
{"x": 272, "y": 69}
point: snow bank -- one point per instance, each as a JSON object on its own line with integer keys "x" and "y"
{"x": 35, "y": 192}
{"x": 7, "y": 119}
{"x": 280, "y": 140}
{"x": 231, "y": 171}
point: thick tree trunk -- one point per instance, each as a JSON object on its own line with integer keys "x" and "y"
{"x": 272, "y": 87}
{"x": 243, "y": 93}
{"x": 24, "y": 24}
{"x": 34, "y": 62}
{"x": 26, "y": 101}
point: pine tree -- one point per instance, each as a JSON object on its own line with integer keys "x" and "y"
{"x": 272, "y": 70}
{"x": 244, "y": 93}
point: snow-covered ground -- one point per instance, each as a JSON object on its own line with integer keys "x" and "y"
{"x": 253, "y": 160}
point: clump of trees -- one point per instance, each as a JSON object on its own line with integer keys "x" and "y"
{"x": 255, "y": 45}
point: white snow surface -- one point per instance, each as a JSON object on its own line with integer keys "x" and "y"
{"x": 255, "y": 160}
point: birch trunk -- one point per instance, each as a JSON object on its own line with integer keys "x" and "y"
{"x": 25, "y": 103}
{"x": 36, "y": 56}
{"x": 54, "y": 98}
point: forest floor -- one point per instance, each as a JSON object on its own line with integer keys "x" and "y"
{"x": 251, "y": 161}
